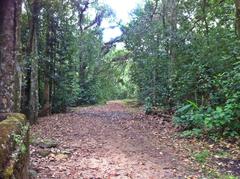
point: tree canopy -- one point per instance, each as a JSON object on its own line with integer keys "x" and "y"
{"x": 178, "y": 55}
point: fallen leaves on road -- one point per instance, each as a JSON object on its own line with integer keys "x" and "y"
{"x": 109, "y": 141}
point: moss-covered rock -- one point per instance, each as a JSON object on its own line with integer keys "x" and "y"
{"x": 14, "y": 138}
{"x": 44, "y": 152}
{"x": 48, "y": 144}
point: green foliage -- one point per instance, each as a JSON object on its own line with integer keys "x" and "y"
{"x": 71, "y": 60}
{"x": 148, "y": 106}
{"x": 202, "y": 156}
{"x": 221, "y": 117}
{"x": 19, "y": 139}
{"x": 178, "y": 55}
{"x": 189, "y": 116}
{"x": 197, "y": 61}
{"x": 191, "y": 133}
{"x": 228, "y": 177}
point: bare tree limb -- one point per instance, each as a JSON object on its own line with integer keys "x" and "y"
{"x": 108, "y": 45}
{"x": 97, "y": 20}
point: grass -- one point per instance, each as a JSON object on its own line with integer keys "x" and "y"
{"x": 217, "y": 175}
{"x": 201, "y": 157}
{"x": 131, "y": 102}
{"x": 191, "y": 133}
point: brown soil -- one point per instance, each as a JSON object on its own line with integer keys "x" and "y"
{"x": 108, "y": 141}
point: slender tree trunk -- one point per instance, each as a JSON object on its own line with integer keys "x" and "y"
{"x": 33, "y": 102}
{"x": 8, "y": 46}
{"x": 169, "y": 20}
{"x": 82, "y": 73}
{"x": 154, "y": 86}
{"x": 237, "y": 5}
{"x": 173, "y": 28}
{"x": 33, "y": 55}
{"x": 204, "y": 11}
{"x": 18, "y": 75}
{"x": 46, "y": 110}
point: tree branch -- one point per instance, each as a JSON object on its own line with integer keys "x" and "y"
{"x": 97, "y": 20}
{"x": 108, "y": 45}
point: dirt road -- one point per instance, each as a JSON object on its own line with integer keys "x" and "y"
{"x": 105, "y": 142}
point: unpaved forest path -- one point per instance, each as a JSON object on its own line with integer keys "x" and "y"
{"x": 106, "y": 142}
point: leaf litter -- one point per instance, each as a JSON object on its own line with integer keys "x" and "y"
{"x": 111, "y": 141}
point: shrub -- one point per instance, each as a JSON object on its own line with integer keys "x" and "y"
{"x": 221, "y": 117}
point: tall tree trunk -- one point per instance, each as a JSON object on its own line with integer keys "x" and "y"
{"x": 46, "y": 110}
{"x": 154, "y": 87}
{"x": 169, "y": 21}
{"x": 18, "y": 75}
{"x": 33, "y": 55}
{"x": 33, "y": 102}
{"x": 82, "y": 73}
{"x": 237, "y": 5}
{"x": 8, "y": 46}
{"x": 204, "y": 11}
{"x": 173, "y": 28}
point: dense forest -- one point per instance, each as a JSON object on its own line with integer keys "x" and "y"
{"x": 177, "y": 59}
{"x": 185, "y": 57}
{"x": 181, "y": 56}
